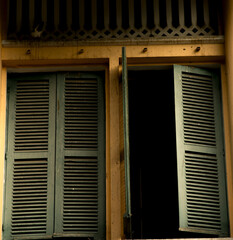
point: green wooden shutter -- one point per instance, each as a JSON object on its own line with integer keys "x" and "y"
{"x": 200, "y": 152}
{"x": 128, "y": 214}
{"x": 80, "y": 166}
{"x": 30, "y": 158}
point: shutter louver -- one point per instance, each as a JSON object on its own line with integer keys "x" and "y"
{"x": 202, "y": 187}
{"x": 80, "y": 160}
{"x": 198, "y": 109}
{"x": 32, "y": 111}
{"x": 80, "y": 195}
{"x": 81, "y": 121}
{"x": 29, "y": 206}
{"x": 201, "y": 181}
{"x": 30, "y": 162}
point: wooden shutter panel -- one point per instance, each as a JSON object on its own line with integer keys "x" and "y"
{"x": 200, "y": 152}
{"x": 80, "y": 166}
{"x": 30, "y": 158}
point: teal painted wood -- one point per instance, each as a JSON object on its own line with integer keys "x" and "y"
{"x": 200, "y": 152}
{"x": 128, "y": 214}
{"x": 28, "y": 197}
{"x": 53, "y": 158}
{"x": 80, "y": 167}
{"x": 126, "y": 131}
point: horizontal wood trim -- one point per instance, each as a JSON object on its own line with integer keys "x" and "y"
{"x": 33, "y": 55}
{"x": 126, "y": 42}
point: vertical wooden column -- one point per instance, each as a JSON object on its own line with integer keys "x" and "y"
{"x": 228, "y": 20}
{"x": 2, "y": 110}
{"x": 2, "y": 134}
{"x": 113, "y": 151}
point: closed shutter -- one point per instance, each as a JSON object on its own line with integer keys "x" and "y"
{"x": 30, "y": 158}
{"x": 80, "y": 166}
{"x": 55, "y": 168}
{"x": 200, "y": 152}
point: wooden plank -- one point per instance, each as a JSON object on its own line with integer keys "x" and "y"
{"x": 81, "y": 14}
{"x": 116, "y": 218}
{"x": 31, "y": 13}
{"x": 206, "y": 13}
{"x": 169, "y": 13}
{"x": 106, "y": 52}
{"x": 19, "y": 15}
{"x": 69, "y": 13}
{"x": 56, "y": 14}
{"x": 228, "y": 150}
{"x": 131, "y": 14}
{"x": 3, "y": 91}
{"x": 119, "y": 14}
{"x": 144, "y": 14}
{"x": 181, "y": 13}
{"x": 156, "y": 13}
{"x": 194, "y": 13}
{"x": 106, "y": 14}
{"x": 228, "y": 13}
{"x": 4, "y": 13}
{"x": 108, "y": 162}
{"x": 44, "y": 11}
{"x": 3, "y": 81}
{"x": 94, "y": 14}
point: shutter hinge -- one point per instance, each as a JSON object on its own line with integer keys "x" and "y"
{"x": 6, "y": 156}
{"x": 2, "y": 227}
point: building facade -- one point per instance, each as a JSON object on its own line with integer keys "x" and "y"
{"x": 116, "y": 119}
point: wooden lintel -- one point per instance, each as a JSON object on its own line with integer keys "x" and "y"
{"x": 20, "y": 56}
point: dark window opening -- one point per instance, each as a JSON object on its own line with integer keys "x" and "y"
{"x": 154, "y": 189}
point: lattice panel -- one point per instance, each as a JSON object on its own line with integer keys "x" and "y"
{"x": 111, "y": 19}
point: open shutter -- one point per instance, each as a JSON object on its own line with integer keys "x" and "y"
{"x": 200, "y": 152}
{"x": 128, "y": 214}
{"x": 80, "y": 166}
{"x": 30, "y": 158}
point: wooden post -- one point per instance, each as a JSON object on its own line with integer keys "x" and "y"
{"x": 114, "y": 149}
{"x": 2, "y": 112}
{"x": 228, "y": 14}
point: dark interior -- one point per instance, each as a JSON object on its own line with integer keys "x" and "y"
{"x": 154, "y": 191}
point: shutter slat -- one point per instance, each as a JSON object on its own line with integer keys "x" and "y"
{"x": 80, "y": 104}
{"x": 80, "y": 202}
{"x": 195, "y": 84}
{"x": 33, "y": 113}
{"x": 29, "y": 208}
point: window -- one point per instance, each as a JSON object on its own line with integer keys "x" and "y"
{"x": 177, "y": 175}
{"x": 55, "y": 164}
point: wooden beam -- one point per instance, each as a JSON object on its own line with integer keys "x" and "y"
{"x": 186, "y": 52}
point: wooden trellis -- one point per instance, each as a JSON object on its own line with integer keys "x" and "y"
{"x": 111, "y": 19}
